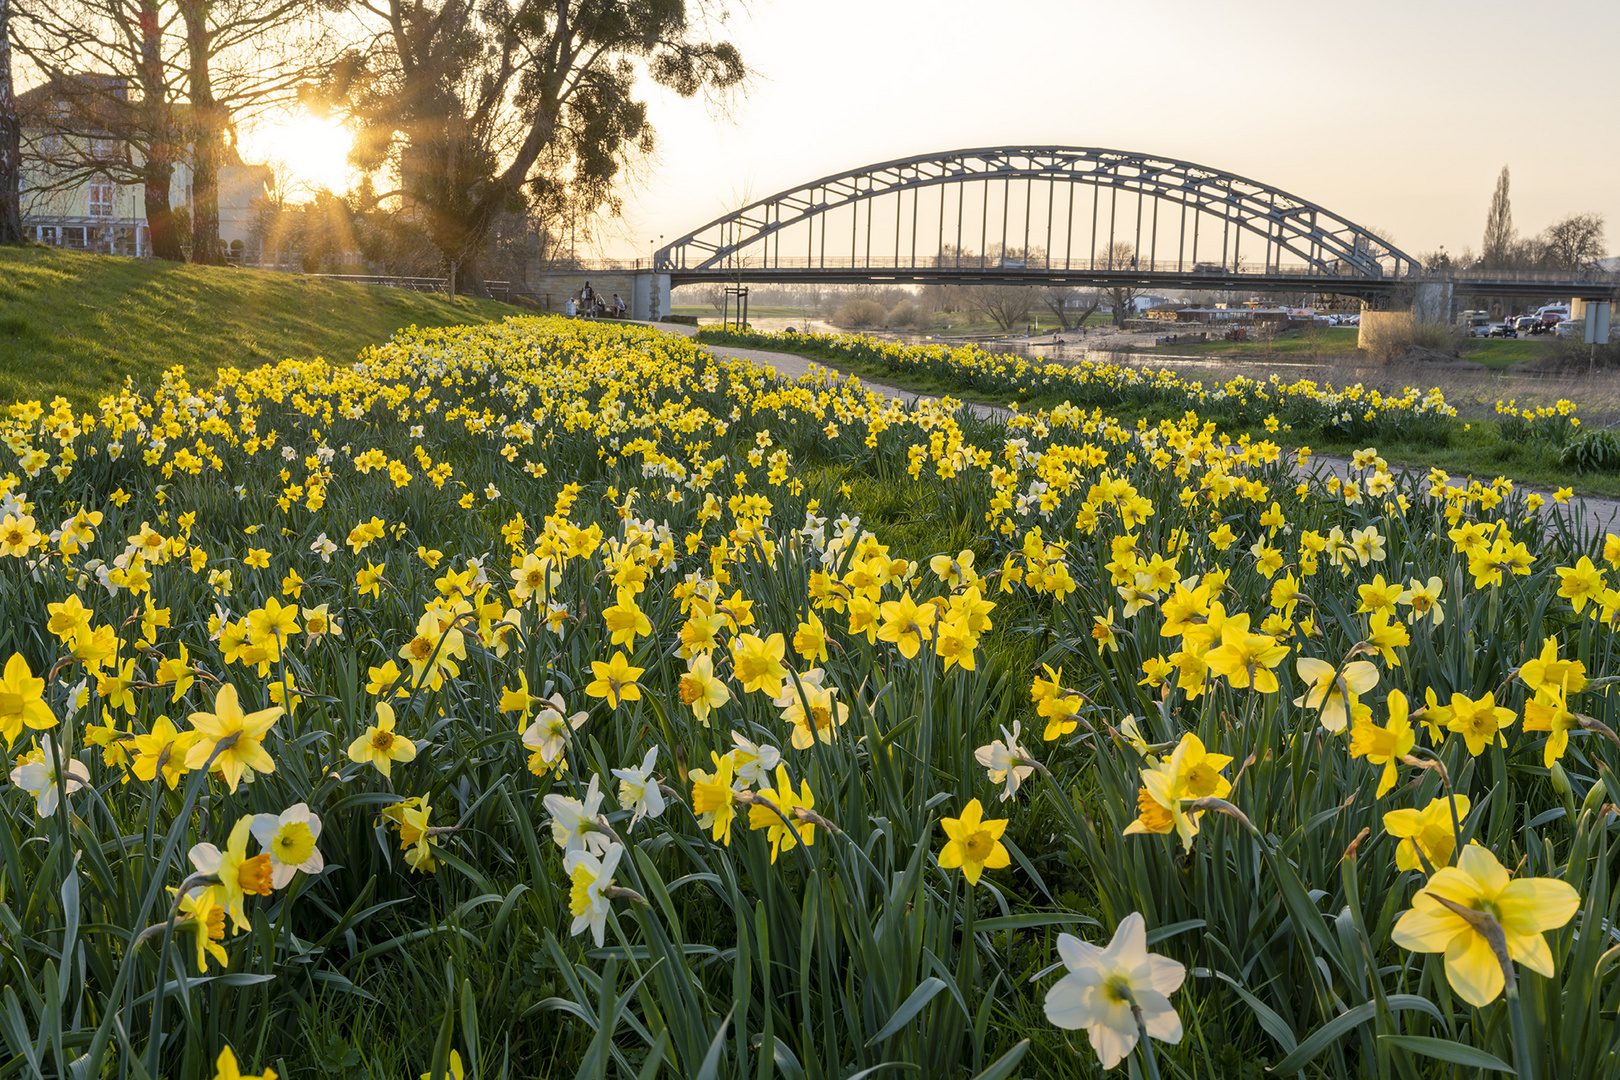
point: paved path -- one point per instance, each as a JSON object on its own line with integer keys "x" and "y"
{"x": 1595, "y": 514}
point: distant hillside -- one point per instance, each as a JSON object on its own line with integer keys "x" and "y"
{"x": 76, "y": 325}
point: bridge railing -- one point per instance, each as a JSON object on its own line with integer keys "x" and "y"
{"x": 1035, "y": 264}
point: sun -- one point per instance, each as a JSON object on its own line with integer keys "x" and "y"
{"x": 309, "y": 152}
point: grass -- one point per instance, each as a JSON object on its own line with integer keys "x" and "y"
{"x": 1494, "y": 353}
{"x": 77, "y": 325}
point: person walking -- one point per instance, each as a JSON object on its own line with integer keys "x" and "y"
{"x": 586, "y": 296}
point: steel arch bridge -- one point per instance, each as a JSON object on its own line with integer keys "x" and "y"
{"x": 1040, "y": 215}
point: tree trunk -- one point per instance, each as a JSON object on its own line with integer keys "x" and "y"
{"x": 207, "y": 138}
{"x": 164, "y": 238}
{"x": 10, "y": 140}
{"x": 472, "y": 279}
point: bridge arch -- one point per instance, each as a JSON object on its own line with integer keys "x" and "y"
{"x": 1168, "y": 219}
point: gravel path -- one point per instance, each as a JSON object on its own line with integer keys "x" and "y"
{"x": 1590, "y": 514}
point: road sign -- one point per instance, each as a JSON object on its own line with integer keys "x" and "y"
{"x": 1597, "y": 322}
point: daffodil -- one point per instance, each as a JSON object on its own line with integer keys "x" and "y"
{"x": 774, "y": 811}
{"x": 638, "y": 789}
{"x": 1427, "y": 835}
{"x": 22, "y": 700}
{"x": 237, "y": 736}
{"x": 1549, "y": 711}
{"x": 226, "y": 1068}
{"x": 573, "y": 822}
{"x": 1247, "y": 659}
{"x": 205, "y": 920}
{"x": 714, "y": 799}
{"x": 550, "y": 733}
{"x": 38, "y": 777}
{"x": 973, "y": 843}
{"x": 1580, "y": 583}
{"x": 238, "y": 874}
{"x": 380, "y": 746}
{"x": 615, "y": 680}
{"x": 906, "y": 624}
{"x": 701, "y": 689}
{"x": 589, "y": 877}
{"x": 289, "y": 839}
{"x": 1385, "y": 745}
{"x": 757, "y": 663}
{"x": 1546, "y": 671}
{"x": 1102, "y": 989}
{"x": 1332, "y": 689}
{"x": 1003, "y": 759}
{"x": 1480, "y": 722}
{"x": 1524, "y": 908}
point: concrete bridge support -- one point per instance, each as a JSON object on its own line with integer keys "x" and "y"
{"x": 1430, "y": 305}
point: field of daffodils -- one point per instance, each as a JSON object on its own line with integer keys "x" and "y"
{"x": 554, "y": 700}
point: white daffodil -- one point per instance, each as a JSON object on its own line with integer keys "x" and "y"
{"x": 38, "y": 778}
{"x": 589, "y": 878}
{"x": 290, "y": 837}
{"x": 550, "y": 732}
{"x": 638, "y": 789}
{"x": 1004, "y": 761}
{"x": 573, "y": 823}
{"x": 753, "y": 763}
{"x": 323, "y": 547}
{"x": 1102, "y": 985}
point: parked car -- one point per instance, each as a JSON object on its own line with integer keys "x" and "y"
{"x": 1504, "y": 329}
{"x": 1524, "y": 322}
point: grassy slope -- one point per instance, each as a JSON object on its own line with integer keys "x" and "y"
{"x": 77, "y": 325}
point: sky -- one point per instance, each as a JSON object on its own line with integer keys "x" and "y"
{"x": 1396, "y": 114}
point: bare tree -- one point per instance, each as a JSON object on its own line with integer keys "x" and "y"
{"x": 10, "y": 140}
{"x": 1005, "y": 305}
{"x": 1119, "y": 255}
{"x": 118, "y": 123}
{"x": 1498, "y": 246}
{"x": 1070, "y": 305}
{"x": 1573, "y": 242}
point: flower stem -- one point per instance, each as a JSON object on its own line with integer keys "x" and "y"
{"x": 1145, "y": 1044}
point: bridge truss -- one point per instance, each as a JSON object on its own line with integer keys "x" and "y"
{"x": 1033, "y": 215}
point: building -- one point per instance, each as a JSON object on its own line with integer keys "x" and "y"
{"x": 70, "y": 123}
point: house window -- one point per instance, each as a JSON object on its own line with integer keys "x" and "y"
{"x": 103, "y": 149}
{"x": 101, "y": 199}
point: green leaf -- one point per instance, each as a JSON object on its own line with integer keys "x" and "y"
{"x": 1446, "y": 1050}
{"x": 1322, "y": 1037}
{"x": 1003, "y": 1066}
{"x": 711, "y": 1060}
{"x": 910, "y": 1007}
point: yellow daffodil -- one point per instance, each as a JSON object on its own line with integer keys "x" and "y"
{"x": 1524, "y": 908}
{"x": 974, "y": 844}
{"x": 237, "y": 736}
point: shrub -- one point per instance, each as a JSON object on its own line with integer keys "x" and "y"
{"x": 906, "y": 314}
{"x": 859, "y": 313}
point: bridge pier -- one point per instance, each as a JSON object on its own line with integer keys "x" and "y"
{"x": 1430, "y": 305}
